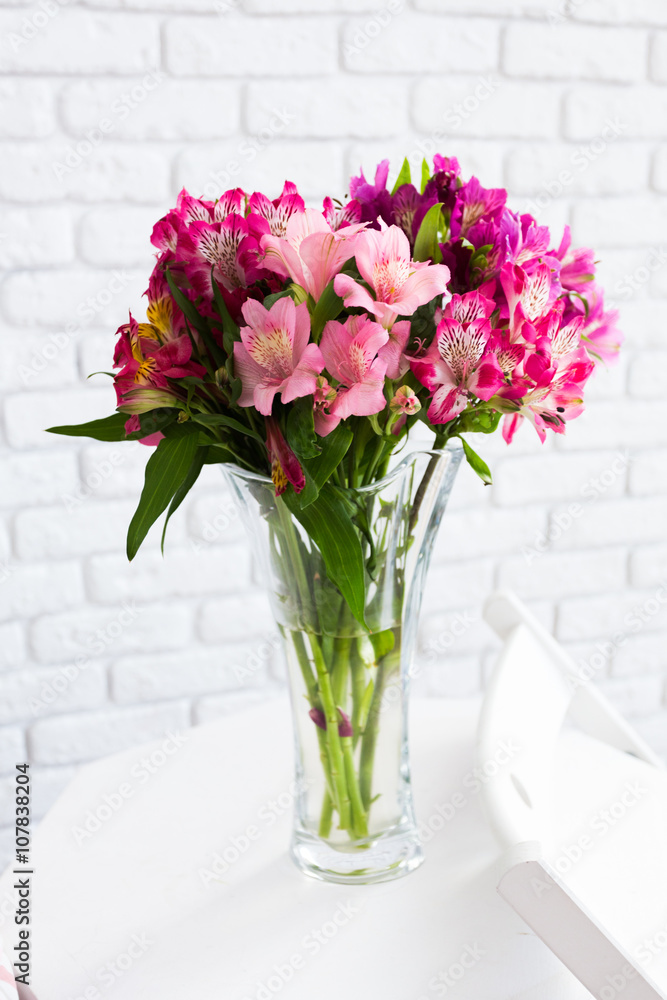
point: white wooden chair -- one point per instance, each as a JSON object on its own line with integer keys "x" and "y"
{"x": 582, "y": 815}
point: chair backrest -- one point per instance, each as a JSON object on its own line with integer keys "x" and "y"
{"x": 534, "y": 688}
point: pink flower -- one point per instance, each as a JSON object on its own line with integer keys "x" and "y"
{"x": 393, "y": 350}
{"x": 457, "y": 367}
{"x": 310, "y": 253}
{"x": 577, "y": 265}
{"x": 549, "y": 404}
{"x": 274, "y": 354}
{"x": 285, "y": 466}
{"x": 405, "y": 401}
{"x": 338, "y": 216}
{"x": 279, "y": 211}
{"x": 351, "y": 356}
{"x": 400, "y": 284}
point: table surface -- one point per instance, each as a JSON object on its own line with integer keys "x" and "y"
{"x": 140, "y": 908}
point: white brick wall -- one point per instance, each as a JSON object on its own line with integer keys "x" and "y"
{"x": 106, "y": 111}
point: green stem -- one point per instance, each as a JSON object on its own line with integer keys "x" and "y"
{"x": 359, "y": 820}
{"x": 326, "y": 815}
{"x": 336, "y": 762}
{"x": 369, "y": 739}
{"x": 314, "y": 699}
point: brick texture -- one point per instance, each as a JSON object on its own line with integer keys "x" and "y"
{"x": 106, "y": 110}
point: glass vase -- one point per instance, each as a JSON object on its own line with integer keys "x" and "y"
{"x": 354, "y": 820}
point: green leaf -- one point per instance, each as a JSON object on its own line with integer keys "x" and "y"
{"x": 221, "y": 419}
{"x": 331, "y": 529}
{"x": 382, "y": 643}
{"x": 426, "y": 174}
{"x": 166, "y": 470}
{"x": 477, "y": 464}
{"x": 301, "y": 436}
{"x": 270, "y": 299}
{"x": 179, "y": 496}
{"x": 230, "y": 330}
{"x": 191, "y": 313}
{"x": 328, "y": 307}
{"x": 427, "y": 241}
{"x": 153, "y": 421}
{"x": 319, "y": 470}
{"x": 106, "y": 429}
{"x": 404, "y": 176}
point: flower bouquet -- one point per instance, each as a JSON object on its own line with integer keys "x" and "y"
{"x": 300, "y": 349}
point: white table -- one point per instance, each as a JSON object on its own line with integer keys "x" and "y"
{"x": 131, "y": 911}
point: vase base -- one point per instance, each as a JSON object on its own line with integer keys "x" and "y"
{"x": 391, "y": 856}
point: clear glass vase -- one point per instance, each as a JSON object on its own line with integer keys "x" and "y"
{"x": 354, "y": 820}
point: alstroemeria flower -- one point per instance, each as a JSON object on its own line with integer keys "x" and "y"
{"x": 310, "y": 253}
{"x": 405, "y": 401}
{"x": 400, "y": 284}
{"x": 351, "y": 356}
{"x": 230, "y": 248}
{"x": 285, "y": 467}
{"x": 552, "y": 402}
{"x": 275, "y": 354}
{"x": 458, "y": 367}
{"x": 145, "y": 362}
{"x": 279, "y": 211}
{"x": 577, "y": 264}
{"x": 339, "y": 216}
{"x": 473, "y": 203}
{"x": 529, "y": 296}
{"x": 393, "y": 351}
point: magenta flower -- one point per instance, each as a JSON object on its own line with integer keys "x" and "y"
{"x": 577, "y": 267}
{"x": 400, "y": 284}
{"x": 285, "y": 467}
{"x": 351, "y": 356}
{"x": 279, "y": 211}
{"x": 458, "y": 367}
{"x": 274, "y": 354}
{"x": 474, "y": 203}
{"x": 310, "y": 253}
{"x": 229, "y": 248}
{"x": 338, "y": 216}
